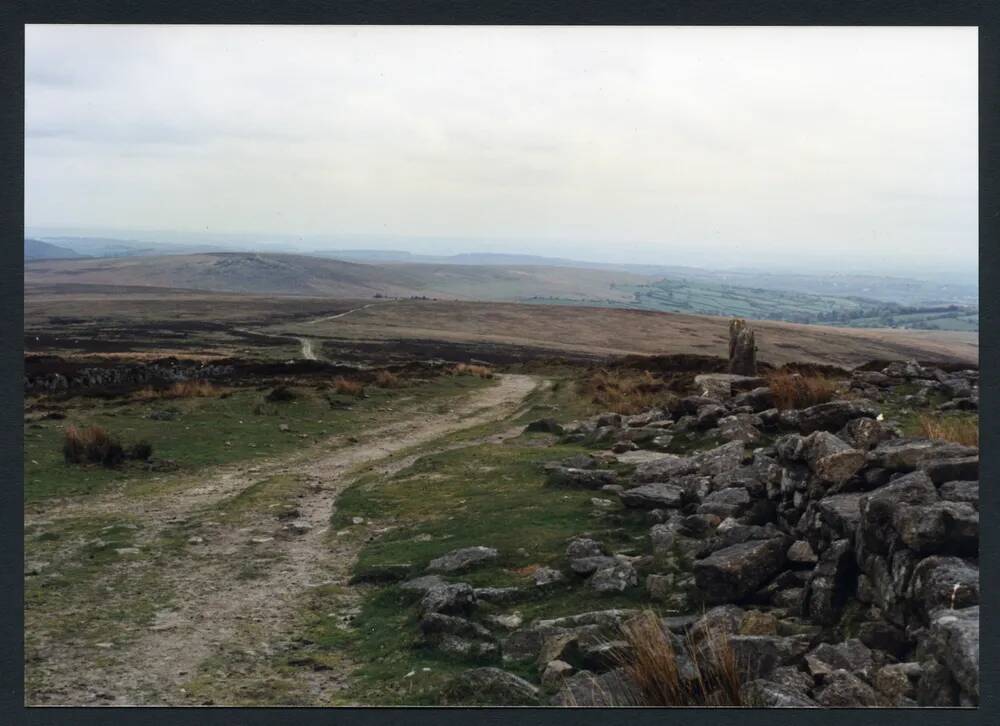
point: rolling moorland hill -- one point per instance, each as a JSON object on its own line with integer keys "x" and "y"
{"x": 35, "y": 249}
{"x": 835, "y": 301}
{"x": 279, "y": 274}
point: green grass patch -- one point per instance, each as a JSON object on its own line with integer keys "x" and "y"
{"x": 209, "y": 431}
{"x": 78, "y": 594}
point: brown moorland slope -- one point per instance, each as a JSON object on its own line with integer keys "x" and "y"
{"x": 70, "y": 313}
{"x": 282, "y": 274}
{"x": 613, "y": 331}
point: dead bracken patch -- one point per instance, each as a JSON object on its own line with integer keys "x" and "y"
{"x": 707, "y": 673}
{"x": 348, "y": 387}
{"x": 180, "y": 389}
{"x": 626, "y": 392}
{"x": 387, "y": 379}
{"x": 793, "y": 390}
{"x": 470, "y": 369}
{"x": 957, "y": 429}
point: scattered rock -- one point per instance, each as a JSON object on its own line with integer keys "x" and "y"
{"x": 801, "y": 553}
{"x": 563, "y": 476}
{"x": 492, "y": 686}
{"x": 462, "y": 559}
{"x": 656, "y": 495}
{"x": 845, "y": 690}
{"x": 545, "y": 577}
{"x": 616, "y": 578}
{"x": 456, "y": 597}
{"x": 556, "y": 671}
{"x": 733, "y": 573}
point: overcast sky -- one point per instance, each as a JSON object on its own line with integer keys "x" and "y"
{"x": 664, "y": 145}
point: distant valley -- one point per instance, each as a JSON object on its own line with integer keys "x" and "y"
{"x": 862, "y": 301}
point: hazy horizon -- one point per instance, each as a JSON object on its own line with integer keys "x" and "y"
{"x": 843, "y": 149}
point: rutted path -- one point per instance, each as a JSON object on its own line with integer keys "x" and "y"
{"x": 215, "y": 610}
{"x": 307, "y": 349}
{"x": 340, "y": 315}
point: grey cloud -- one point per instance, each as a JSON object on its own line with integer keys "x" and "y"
{"x": 783, "y": 141}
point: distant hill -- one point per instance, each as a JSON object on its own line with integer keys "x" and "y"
{"x": 698, "y": 292}
{"x": 35, "y": 249}
{"x": 114, "y": 247}
{"x": 280, "y": 274}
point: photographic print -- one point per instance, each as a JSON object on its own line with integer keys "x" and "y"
{"x": 504, "y": 366}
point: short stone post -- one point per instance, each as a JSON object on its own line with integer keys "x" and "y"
{"x": 742, "y": 348}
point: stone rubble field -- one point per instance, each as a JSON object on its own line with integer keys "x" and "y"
{"x": 837, "y": 557}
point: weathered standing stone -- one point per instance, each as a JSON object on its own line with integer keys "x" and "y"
{"x": 742, "y": 348}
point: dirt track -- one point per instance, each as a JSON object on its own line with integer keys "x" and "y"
{"x": 216, "y": 611}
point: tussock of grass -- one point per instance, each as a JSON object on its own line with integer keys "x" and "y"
{"x": 347, "y": 387}
{"x": 387, "y": 379}
{"x": 281, "y": 394}
{"x": 956, "y": 429}
{"x": 626, "y": 392}
{"x": 711, "y": 674}
{"x": 469, "y": 369}
{"x": 792, "y": 390}
{"x": 91, "y": 445}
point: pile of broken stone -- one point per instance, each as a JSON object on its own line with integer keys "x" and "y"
{"x": 840, "y": 560}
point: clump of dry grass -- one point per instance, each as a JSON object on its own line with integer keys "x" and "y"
{"x": 280, "y": 394}
{"x": 387, "y": 379}
{"x": 179, "y": 389}
{"x": 348, "y": 387}
{"x": 707, "y": 673}
{"x": 91, "y": 445}
{"x": 627, "y": 392}
{"x": 956, "y": 429}
{"x": 793, "y": 390}
{"x": 470, "y": 369}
